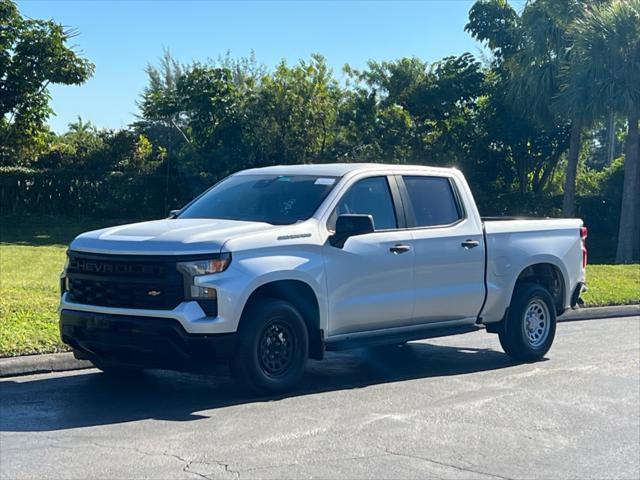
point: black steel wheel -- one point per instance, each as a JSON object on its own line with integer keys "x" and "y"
{"x": 276, "y": 348}
{"x": 273, "y": 346}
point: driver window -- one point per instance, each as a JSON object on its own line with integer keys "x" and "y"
{"x": 370, "y": 196}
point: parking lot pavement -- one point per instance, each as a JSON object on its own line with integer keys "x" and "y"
{"x": 454, "y": 407}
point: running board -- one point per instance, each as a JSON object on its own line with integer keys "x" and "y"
{"x": 384, "y": 337}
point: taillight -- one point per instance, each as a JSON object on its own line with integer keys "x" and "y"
{"x": 583, "y": 238}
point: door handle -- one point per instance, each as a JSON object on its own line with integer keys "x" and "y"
{"x": 399, "y": 248}
{"x": 469, "y": 244}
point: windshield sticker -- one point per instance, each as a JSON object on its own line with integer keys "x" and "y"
{"x": 324, "y": 181}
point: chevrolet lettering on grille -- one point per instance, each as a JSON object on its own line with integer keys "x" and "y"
{"x": 87, "y": 266}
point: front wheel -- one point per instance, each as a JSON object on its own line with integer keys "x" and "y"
{"x": 273, "y": 347}
{"x": 530, "y": 326}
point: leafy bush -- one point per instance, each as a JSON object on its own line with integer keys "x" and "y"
{"x": 100, "y": 194}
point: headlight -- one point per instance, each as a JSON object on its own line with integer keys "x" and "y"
{"x": 207, "y": 297}
{"x": 206, "y": 266}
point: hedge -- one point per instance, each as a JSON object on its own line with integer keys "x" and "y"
{"x": 98, "y": 194}
{"x": 129, "y": 195}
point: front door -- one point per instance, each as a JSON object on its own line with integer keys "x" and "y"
{"x": 370, "y": 279}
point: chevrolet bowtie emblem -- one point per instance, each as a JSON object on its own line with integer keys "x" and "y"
{"x": 153, "y": 293}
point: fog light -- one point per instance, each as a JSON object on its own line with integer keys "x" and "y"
{"x": 207, "y": 298}
{"x": 203, "y": 292}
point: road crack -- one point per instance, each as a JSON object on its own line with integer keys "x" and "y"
{"x": 444, "y": 464}
{"x": 187, "y": 463}
{"x": 315, "y": 462}
{"x": 208, "y": 463}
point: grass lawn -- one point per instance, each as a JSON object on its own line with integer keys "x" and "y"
{"x": 612, "y": 285}
{"x": 29, "y": 279}
{"x": 32, "y": 253}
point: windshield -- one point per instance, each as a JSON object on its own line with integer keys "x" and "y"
{"x": 275, "y": 199}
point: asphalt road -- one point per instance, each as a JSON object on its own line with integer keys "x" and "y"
{"x": 454, "y": 407}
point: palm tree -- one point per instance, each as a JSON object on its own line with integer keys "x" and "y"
{"x": 534, "y": 48}
{"x": 603, "y": 74}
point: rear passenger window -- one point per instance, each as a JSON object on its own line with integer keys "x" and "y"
{"x": 370, "y": 196}
{"x": 433, "y": 201}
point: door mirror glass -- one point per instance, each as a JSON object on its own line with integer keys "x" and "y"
{"x": 350, "y": 225}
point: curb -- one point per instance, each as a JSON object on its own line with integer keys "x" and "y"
{"x": 62, "y": 362}
{"x": 593, "y": 313}
{"x": 47, "y": 363}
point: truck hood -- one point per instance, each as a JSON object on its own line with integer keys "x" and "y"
{"x": 166, "y": 237}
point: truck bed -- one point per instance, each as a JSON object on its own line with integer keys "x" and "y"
{"x": 512, "y": 243}
{"x": 530, "y": 224}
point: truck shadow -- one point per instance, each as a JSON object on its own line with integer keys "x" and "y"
{"x": 90, "y": 398}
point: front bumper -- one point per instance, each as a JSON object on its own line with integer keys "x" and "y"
{"x": 151, "y": 342}
{"x": 189, "y": 314}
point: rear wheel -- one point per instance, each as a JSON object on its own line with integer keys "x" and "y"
{"x": 273, "y": 347}
{"x": 530, "y": 326}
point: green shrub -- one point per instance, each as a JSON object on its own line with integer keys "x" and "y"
{"x": 97, "y": 194}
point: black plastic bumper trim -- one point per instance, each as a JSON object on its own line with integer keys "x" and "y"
{"x": 151, "y": 342}
{"x": 575, "y": 297}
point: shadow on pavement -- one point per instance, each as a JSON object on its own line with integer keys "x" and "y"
{"x": 89, "y": 399}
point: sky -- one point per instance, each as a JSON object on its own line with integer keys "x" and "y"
{"x": 122, "y": 37}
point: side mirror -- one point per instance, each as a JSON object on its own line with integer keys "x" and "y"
{"x": 173, "y": 213}
{"x": 349, "y": 226}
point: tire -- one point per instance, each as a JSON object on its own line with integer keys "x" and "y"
{"x": 530, "y": 326}
{"x": 273, "y": 347}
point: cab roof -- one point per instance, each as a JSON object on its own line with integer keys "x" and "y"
{"x": 333, "y": 169}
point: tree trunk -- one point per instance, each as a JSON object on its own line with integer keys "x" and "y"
{"x": 522, "y": 177}
{"x": 611, "y": 140}
{"x": 636, "y": 236}
{"x": 550, "y": 168}
{"x": 569, "y": 199}
{"x": 627, "y": 239}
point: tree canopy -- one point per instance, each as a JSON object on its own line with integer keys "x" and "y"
{"x": 33, "y": 55}
{"x": 528, "y": 126}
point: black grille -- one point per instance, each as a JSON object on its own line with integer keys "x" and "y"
{"x": 124, "y": 281}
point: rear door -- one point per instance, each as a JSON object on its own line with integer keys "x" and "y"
{"x": 370, "y": 279}
{"x": 449, "y": 250}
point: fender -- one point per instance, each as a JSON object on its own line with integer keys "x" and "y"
{"x": 500, "y": 288}
{"x": 560, "y": 248}
{"x": 250, "y": 270}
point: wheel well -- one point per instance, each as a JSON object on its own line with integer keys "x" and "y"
{"x": 550, "y": 277}
{"x": 301, "y": 296}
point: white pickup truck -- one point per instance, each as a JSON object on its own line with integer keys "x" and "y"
{"x": 276, "y": 265}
